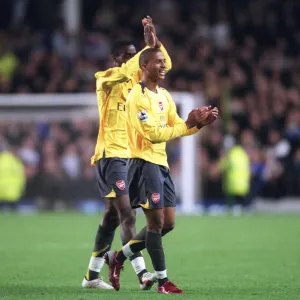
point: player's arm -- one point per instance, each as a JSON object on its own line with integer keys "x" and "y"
{"x": 175, "y": 119}
{"x": 206, "y": 115}
{"x": 158, "y": 44}
{"x": 108, "y": 78}
{"x": 142, "y": 119}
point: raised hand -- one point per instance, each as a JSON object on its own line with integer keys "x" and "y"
{"x": 149, "y": 36}
{"x": 148, "y": 21}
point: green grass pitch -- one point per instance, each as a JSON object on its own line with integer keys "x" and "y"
{"x": 212, "y": 258}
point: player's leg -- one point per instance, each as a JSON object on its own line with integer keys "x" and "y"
{"x": 103, "y": 240}
{"x": 105, "y": 231}
{"x": 169, "y": 202}
{"x": 153, "y": 242}
{"x": 138, "y": 242}
{"x": 169, "y": 220}
{"x": 138, "y": 263}
{"x": 151, "y": 198}
{"x": 155, "y": 223}
{"x": 118, "y": 182}
{"x": 156, "y": 220}
{"x": 138, "y": 172}
{"x": 165, "y": 286}
{"x": 147, "y": 279}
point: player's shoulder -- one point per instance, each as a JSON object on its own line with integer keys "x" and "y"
{"x": 106, "y": 73}
{"x": 137, "y": 94}
{"x": 165, "y": 92}
{"x": 138, "y": 89}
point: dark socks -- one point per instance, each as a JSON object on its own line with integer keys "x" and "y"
{"x": 103, "y": 243}
{"x": 155, "y": 250}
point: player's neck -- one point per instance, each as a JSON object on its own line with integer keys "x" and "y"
{"x": 149, "y": 84}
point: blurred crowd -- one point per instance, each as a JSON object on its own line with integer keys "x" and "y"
{"x": 241, "y": 55}
{"x": 56, "y": 158}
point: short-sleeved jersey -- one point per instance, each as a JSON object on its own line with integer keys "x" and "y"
{"x": 152, "y": 120}
{"x": 112, "y": 87}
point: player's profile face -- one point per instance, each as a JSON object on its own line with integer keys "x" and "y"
{"x": 157, "y": 66}
{"x": 127, "y": 53}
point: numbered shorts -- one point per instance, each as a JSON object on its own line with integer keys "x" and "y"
{"x": 150, "y": 185}
{"x": 111, "y": 175}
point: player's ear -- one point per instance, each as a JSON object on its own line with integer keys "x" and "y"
{"x": 144, "y": 67}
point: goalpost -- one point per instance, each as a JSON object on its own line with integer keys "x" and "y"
{"x": 188, "y": 165}
{"x": 43, "y": 107}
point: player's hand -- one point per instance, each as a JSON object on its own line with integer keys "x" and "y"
{"x": 210, "y": 116}
{"x": 149, "y": 36}
{"x": 195, "y": 116}
{"x": 148, "y": 21}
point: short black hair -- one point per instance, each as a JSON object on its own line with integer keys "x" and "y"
{"x": 118, "y": 46}
{"x": 146, "y": 55}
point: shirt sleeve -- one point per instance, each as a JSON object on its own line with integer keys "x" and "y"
{"x": 175, "y": 119}
{"x": 108, "y": 78}
{"x": 142, "y": 119}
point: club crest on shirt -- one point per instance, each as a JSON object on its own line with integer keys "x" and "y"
{"x": 129, "y": 90}
{"x": 120, "y": 184}
{"x": 143, "y": 116}
{"x": 155, "y": 197}
{"x": 161, "y": 106}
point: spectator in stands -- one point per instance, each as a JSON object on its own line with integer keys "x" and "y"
{"x": 235, "y": 166}
{"x": 244, "y": 54}
{"x": 12, "y": 179}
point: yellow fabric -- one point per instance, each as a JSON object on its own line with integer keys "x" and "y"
{"x": 96, "y": 253}
{"x": 131, "y": 242}
{"x": 87, "y": 275}
{"x": 237, "y": 172}
{"x": 113, "y": 87}
{"x": 12, "y": 177}
{"x": 152, "y": 120}
{"x": 8, "y": 64}
{"x": 191, "y": 131}
{"x": 112, "y": 194}
{"x": 145, "y": 205}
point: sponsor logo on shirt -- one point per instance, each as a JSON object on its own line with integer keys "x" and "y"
{"x": 143, "y": 116}
{"x": 155, "y": 197}
{"x": 121, "y": 106}
{"x": 120, "y": 184}
{"x": 161, "y": 106}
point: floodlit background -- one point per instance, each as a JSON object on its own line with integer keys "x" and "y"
{"x": 242, "y": 56}
{"x": 244, "y": 170}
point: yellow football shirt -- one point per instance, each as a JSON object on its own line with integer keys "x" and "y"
{"x": 152, "y": 120}
{"x": 112, "y": 88}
